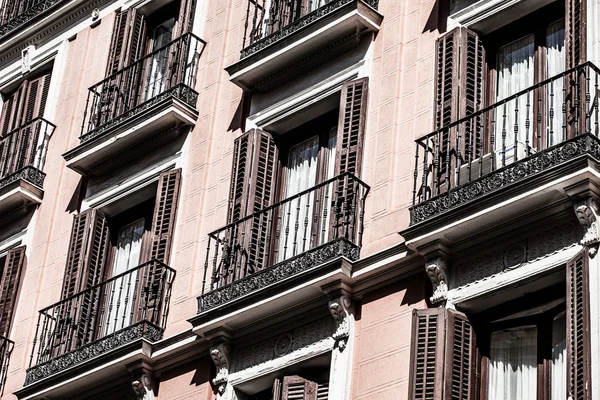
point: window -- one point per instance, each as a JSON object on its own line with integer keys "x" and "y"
{"x": 11, "y": 267}
{"x": 299, "y": 382}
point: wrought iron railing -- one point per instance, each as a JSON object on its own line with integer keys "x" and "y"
{"x": 117, "y": 311}
{"x": 23, "y": 152}
{"x": 504, "y": 142}
{"x": 323, "y": 222}
{"x": 268, "y": 21}
{"x": 6, "y": 348}
{"x": 169, "y": 71}
{"x": 15, "y": 13}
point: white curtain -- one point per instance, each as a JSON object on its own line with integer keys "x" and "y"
{"x": 156, "y": 78}
{"x": 559, "y": 358}
{"x": 127, "y": 256}
{"x": 301, "y": 174}
{"x": 515, "y": 73}
{"x": 555, "y": 64}
{"x": 513, "y": 365}
{"x": 326, "y": 217}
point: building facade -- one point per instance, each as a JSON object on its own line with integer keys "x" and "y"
{"x": 308, "y": 199}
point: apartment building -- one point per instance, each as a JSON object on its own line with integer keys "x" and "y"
{"x": 307, "y": 199}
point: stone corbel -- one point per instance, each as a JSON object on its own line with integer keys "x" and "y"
{"x": 587, "y": 211}
{"x": 143, "y": 387}
{"x": 436, "y": 268}
{"x": 219, "y": 352}
{"x": 341, "y": 310}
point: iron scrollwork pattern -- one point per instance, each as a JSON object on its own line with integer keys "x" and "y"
{"x": 299, "y": 24}
{"x": 141, "y": 330}
{"x": 277, "y": 273}
{"x": 13, "y": 22}
{"x": 29, "y": 174}
{"x": 501, "y": 178}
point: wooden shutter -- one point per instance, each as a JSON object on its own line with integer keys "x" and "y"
{"x": 128, "y": 40}
{"x": 575, "y": 32}
{"x": 297, "y": 388}
{"x": 351, "y": 127}
{"x": 323, "y": 391}
{"x": 427, "y": 354}
{"x": 578, "y": 327}
{"x": 9, "y": 287}
{"x": 460, "y": 358}
{"x": 185, "y": 18}
{"x": 253, "y": 188}
{"x": 88, "y": 251}
{"x": 276, "y": 393}
{"x": 12, "y": 109}
{"x": 165, "y": 212}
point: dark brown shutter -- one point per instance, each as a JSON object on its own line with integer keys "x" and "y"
{"x": 575, "y": 32}
{"x": 427, "y": 354}
{"x": 578, "y": 327}
{"x": 186, "y": 18}
{"x": 297, "y": 388}
{"x": 88, "y": 251}
{"x": 460, "y": 355}
{"x": 128, "y": 40}
{"x": 165, "y": 212}
{"x": 351, "y": 127}
{"x": 12, "y": 109}
{"x": 9, "y": 287}
{"x": 253, "y": 188}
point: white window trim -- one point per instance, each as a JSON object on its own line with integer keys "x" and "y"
{"x": 128, "y": 187}
{"x": 10, "y": 243}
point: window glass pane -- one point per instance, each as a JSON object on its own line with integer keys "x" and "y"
{"x": 559, "y": 358}
{"x": 515, "y": 73}
{"x": 555, "y": 64}
{"x": 513, "y": 364}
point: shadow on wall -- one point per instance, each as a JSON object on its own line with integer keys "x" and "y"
{"x": 438, "y": 17}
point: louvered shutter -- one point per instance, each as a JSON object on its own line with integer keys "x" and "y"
{"x": 427, "y": 354}
{"x": 575, "y": 32}
{"x": 253, "y": 187}
{"x": 351, "y": 127}
{"x": 578, "y": 327}
{"x": 460, "y": 85}
{"x": 128, "y": 40}
{"x": 12, "y": 109}
{"x": 185, "y": 19}
{"x": 88, "y": 252}
{"x": 297, "y": 388}
{"x": 323, "y": 391}
{"x": 460, "y": 358}
{"x": 165, "y": 212}
{"x": 9, "y": 287}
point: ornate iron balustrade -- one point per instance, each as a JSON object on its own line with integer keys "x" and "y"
{"x": 23, "y": 152}
{"x": 118, "y": 311}
{"x": 285, "y": 239}
{"x": 16, "y": 13}
{"x": 6, "y": 348}
{"x": 167, "y": 72}
{"x": 517, "y": 137}
{"x": 264, "y": 27}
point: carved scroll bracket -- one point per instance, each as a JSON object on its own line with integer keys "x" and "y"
{"x": 587, "y": 211}
{"x": 219, "y": 352}
{"x": 437, "y": 270}
{"x": 342, "y": 309}
{"x": 143, "y": 387}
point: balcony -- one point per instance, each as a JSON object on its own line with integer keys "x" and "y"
{"x": 91, "y": 326}
{"x": 16, "y": 13}
{"x": 284, "y": 245}
{"x": 289, "y": 38}
{"x": 22, "y": 158}
{"x": 6, "y": 348}
{"x": 141, "y": 105}
{"x": 516, "y": 160}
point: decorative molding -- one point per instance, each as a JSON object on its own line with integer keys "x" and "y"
{"x": 506, "y": 176}
{"x": 220, "y": 356}
{"x": 143, "y": 387}
{"x": 436, "y": 269}
{"x": 341, "y": 309}
{"x": 26, "y": 56}
{"x": 140, "y": 330}
{"x": 277, "y": 273}
{"x": 502, "y": 259}
{"x": 300, "y": 23}
{"x": 587, "y": 211}
{"x": 181, "y": 92}
{"x": 289, "y": 342}
{"x": 28, "y": 174}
